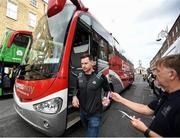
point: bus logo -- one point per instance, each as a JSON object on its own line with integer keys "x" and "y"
{"x": 19, "y": 53}
{"x": 25, "y": 88}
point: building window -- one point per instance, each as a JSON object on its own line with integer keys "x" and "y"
{"x": 168, "y": 42}
{"x": 45, "y": 8}
{"x": 172, "y": 33}
{"x": 32, "y": 19}
{"x": 176, "y": 29}
{"x": 33, "y": 3}
{"x": 11, "y": 10}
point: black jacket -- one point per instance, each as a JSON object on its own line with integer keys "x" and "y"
{"x": 89, "y": 92}
{"x": 167, "y": 115}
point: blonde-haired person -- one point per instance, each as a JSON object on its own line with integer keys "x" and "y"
{"x": 166, "y": 110}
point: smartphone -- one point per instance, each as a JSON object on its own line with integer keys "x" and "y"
{"x": 125, "y": 114}
{"x": 109, "y": 95}
{"x": 107, "y": 100}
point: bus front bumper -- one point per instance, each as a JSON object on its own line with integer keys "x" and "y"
{"x": 48, "y": 124}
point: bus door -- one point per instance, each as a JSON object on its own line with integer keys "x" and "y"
{"x": 7, "y": 81}
{"x": 80, "y": 45}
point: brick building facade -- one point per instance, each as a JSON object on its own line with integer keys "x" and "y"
{"x": 20, "y": 14}
{"x": 172, "y": 36}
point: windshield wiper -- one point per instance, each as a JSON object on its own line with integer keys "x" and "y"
{"x": 43, "y": 74}
{"x": 32, "y": 68}
{"x": 20, "y": 69}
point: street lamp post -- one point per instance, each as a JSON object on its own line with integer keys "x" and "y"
{"x": 162, "y": 34}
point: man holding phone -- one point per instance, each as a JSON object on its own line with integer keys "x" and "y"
{"x": 166, "y": 110}
{"x": 87, "y": 96}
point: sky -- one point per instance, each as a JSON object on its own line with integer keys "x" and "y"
{"x": 136, "y": 24}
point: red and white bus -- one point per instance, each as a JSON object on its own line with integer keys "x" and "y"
{"x": 44, "y": 85}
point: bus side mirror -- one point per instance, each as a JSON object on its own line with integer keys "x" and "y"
{"x": 55, "y": 6}
{"x": 19, "y": 38}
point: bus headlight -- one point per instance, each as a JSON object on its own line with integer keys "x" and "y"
{"x": 50, "y": 107}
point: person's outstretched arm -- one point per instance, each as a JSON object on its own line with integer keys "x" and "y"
{"x": 137, "y": 107}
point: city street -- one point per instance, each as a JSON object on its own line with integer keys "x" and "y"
{"x": 113, "y": 124}
{"x": 52, "y": 51}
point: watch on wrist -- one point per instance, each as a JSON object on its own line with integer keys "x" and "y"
{"x": 146, "y": 133}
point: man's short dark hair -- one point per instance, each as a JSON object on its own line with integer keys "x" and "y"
{"x": 85, "y": 55}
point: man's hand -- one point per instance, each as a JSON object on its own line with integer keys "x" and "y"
{"x": 138, "y": 124}
{"x": 75, "y": 102}
{"x": 105, "y": 101}
{"x": 116, "y": 97}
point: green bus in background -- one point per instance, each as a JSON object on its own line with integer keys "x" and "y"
{"x": 11, "y": 57}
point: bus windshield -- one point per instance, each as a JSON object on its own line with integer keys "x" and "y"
{"x": 43, "y": 57}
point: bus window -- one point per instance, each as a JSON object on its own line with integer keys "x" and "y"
{"x": 21, "y": 40}
{"x": 80, "y": 45}
{"x": 86, "y": 21}
{"x": 103, "y": 50}
{"x": 111, "y": 50}
{"x": 81, "y": 42}
{"x": 81, "y": 48}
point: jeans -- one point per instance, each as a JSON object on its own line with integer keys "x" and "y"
{"x": 91, "y": 124}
